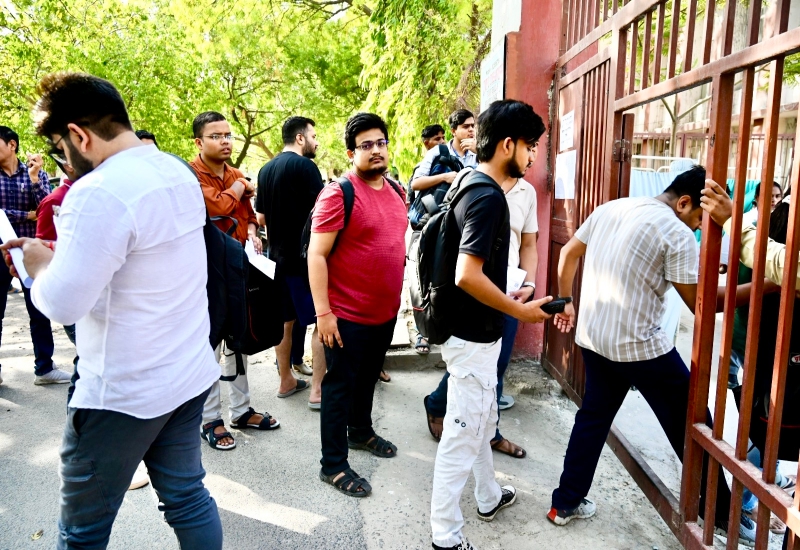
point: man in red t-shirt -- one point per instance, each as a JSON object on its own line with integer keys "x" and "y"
{"x": 356, "y": 291}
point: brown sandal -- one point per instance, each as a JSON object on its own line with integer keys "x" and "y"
{"x": 435, "y": 423}
{"x": 384, "y": 376}
{"x": 506, "y": 447}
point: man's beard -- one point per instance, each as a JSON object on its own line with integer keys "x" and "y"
{"x": 80, "y": 164}
{"x": 376, "y": 171}
{"x": 514, "y": 170}
{"x": 309, "y": 151}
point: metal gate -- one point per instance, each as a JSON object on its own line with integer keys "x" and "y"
{"x": 617, "y": 56}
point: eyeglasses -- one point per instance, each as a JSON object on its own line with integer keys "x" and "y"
{"x": 369, "y": 145}
{"x": 54, "y": 146}
{"x": 218, "y": 137}
{"x": 59, "y": 157}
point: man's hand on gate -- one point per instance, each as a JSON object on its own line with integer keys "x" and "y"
{"x": 36, "y": 255}
{"x": 716, "y": 202}
{"x": 566, "y": 320}
{"x": 328, "y": 329}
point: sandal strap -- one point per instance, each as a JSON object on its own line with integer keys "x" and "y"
{"x": 381, "y": 445}
{"x": 242, "y": 420}
{"x": 348, "y": 477}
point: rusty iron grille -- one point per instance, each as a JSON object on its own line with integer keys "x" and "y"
{"x": 617, "y": 56}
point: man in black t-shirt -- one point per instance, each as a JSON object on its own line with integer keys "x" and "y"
{"x": 506, "y": 147}
{"x": 288, "y": 186}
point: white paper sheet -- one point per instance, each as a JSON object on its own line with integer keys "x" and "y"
{"x": 565, "y": 174}
{"x": 516, "y": 277}
{"x": 567, "y": 133}
{"x": 7, "y": 233}
{"x": 259, "y": 261}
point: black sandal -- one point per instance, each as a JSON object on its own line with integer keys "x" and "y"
{"x": 349, "y": 483}
{"x": 241, "y": 423}
{"x": 377, "y": 446}
{"x": 422, "y": 347}
{"x": 212, "y": 438}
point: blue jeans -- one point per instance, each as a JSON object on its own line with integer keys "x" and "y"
{"x": 99, "y": 455}
{"x": 749, "y": 500}
{"x": 664, "y": 383}
{"x": 437, "y": 401}
{"x": 41, "y": 332}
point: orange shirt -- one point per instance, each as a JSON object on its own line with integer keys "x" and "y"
{"x": 221, "y": 201}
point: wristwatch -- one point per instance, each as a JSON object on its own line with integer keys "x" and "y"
{"x": 531, "y": 285}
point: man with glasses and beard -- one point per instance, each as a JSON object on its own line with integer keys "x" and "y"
{"x": 356, "y": 290}
{"x": 22, "y": 187}
{"x": 227, "y": 193}
{"x": 288, "y": 186}
{"x": 131, "y": 217}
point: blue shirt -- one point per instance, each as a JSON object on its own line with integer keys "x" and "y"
{"x": 19, "y": 195}
{"x": 469, "y": 160}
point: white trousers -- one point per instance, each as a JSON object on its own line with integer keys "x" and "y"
{"x": 469, "y": 425}
{"x": 238, "y": 390}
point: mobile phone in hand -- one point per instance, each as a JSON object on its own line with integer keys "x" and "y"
{"x": 556, "y": 306}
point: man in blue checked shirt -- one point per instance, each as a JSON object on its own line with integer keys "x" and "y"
{"x": 22, "y": 188}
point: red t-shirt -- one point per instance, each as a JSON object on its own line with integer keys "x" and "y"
{"x": 365, "y": 271}
{"x": 45, "y": 226}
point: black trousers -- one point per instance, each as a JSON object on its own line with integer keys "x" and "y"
{"x": 348, "y": 389}
{"x": 664, "y": 383}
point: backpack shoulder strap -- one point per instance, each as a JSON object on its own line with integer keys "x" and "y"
{"x": 444, "y": 150}
{"x": 396, "y": 187}
{"x": 349, "y": 196}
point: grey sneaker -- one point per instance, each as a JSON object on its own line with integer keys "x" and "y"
{"x": 505, "y": 402}
{"x": 463, "y": 545}
{"x": 302, "y": 368}
{"x": 747, "y": 531}
{"x": 508, "y": 497}
{"x": 584, "y": 510}
{"x": 55, "y": 376}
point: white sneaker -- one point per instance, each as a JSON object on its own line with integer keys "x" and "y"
{"x": 55, "y": 376}
{"x": 505, "y": 402}
{"x": 302, "y": 368}
{"x": 140, "y": 478}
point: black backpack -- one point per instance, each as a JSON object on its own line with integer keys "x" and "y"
{"x": 349, "y": 197}
{"x": 241, "y": 301}
{"x": 426, "y": 203}
{"x": 434, "y": 295}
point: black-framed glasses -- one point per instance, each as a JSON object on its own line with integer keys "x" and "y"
{"x": 369, "y": 145}
{"x": 54, "y": 146}
{"x": 59, "y": 157}
{"x": 218, "y": 137}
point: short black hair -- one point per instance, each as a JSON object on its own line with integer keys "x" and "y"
{"x": 361, "y": 122}
{"x": 459, "y": 117}
{"x": 202, "y": 119}
{"x": 691, "y": 183}
{"x": 295, "y": 125}
{"x": 7, "y": 134}
{"x": 82, "y": 99}
{"x": 144, "y": 134}
{"x": 432, "y": 130}
{"x": 506, "y": 119}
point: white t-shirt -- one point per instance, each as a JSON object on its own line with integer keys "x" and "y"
{"x": 635, "y": 249}
{"x": 521, "y": 201}
{"x": 130, "y": 269}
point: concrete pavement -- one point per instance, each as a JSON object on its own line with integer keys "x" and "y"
{"x": 268, "y": 490}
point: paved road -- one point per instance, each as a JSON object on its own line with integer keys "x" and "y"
{"x": 268, "y": 491}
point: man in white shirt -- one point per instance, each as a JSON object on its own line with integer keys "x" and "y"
{"x": 130, "y": 271}
{"x": 636, "y": 249}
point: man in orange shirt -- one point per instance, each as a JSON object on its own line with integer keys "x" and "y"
{"x": 227, "y": 193}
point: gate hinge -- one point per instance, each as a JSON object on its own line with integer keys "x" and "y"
{"x": 621, "y": 151}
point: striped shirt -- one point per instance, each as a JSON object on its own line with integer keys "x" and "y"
{"x": 19, "y": 195}
{"x": 635, "y": 249}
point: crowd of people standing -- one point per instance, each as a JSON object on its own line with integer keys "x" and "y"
{"x": 116, "y": 289}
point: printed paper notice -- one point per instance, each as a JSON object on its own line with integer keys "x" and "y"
{"x": 516, "y": 277}
{"x": 565, "y": 174}
{"x": 259, "y": 261}
{"x": 567, "y": 126}
{"x": 7, "y": 233}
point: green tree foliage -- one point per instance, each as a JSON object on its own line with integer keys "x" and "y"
{"x": 254, "y": 62}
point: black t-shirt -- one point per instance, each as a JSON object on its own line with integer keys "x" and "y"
{"x": 482, "y": 219}
{"x": 288, "y": 186}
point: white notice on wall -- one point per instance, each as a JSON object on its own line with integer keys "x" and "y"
{"x": 567, "y": 131}
{"x": 565, "y": 174}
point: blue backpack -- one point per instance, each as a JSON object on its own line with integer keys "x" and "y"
{"x": 427, "y": 202}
